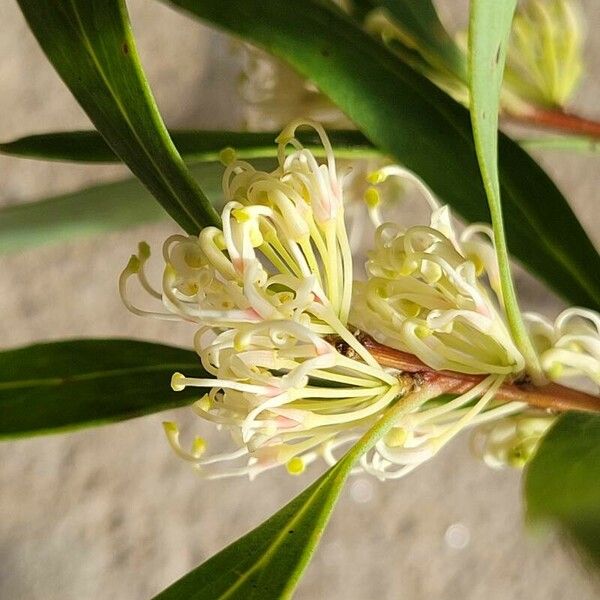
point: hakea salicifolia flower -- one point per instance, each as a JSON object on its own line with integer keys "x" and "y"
{"x": 265, "y": 291}
{"x": 544, "y": 64}
{"x": 269, "y": 294}
{"x": 569, "y": 348}
{"x": 437, "y": 295}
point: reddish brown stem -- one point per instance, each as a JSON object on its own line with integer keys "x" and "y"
{"x": 550, "y": 396}
{"x": 557, "y": 120}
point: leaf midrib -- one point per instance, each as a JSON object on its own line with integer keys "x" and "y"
{"x": 92, "y": 375}
{"x": 271, "y": 548}
{"x": 124, "y": 114}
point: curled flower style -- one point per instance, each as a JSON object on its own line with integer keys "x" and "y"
{"x": 511, "y": 441}
{"x": 569, "y": 347}
{"x": 426, "y": 294}
{"x": 265, "y": 292}
{"x": 282, "y": 252}
{"x": 285, "y": 394}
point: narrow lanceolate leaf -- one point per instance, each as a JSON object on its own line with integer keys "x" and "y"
{"x": 91, "y": 46}
{"x": 489, "y": 30}
{"x": 193, "y": 145}
{"x": 94, "y": 210}
{"x": 421, "y": 25}
{"x": 407, "y": 117}
{"x": 267, "y": 563}
{"x": 562, "y": 482}
{"x": 65, "y": 385}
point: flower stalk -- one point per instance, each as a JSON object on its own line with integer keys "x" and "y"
{"x": 550, "y": 396}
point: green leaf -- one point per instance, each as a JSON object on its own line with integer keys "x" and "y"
{"x": 489, "y": 31}
{"x": 419, "y": 21}
{"x": 66, "y": 385}
{"x": 193, "y": 145}
{"x": 562, "y": 482}
{"x": 410, "y": 119}
{"x": 91, "y": 211}
{"x": 91, "y": 46}
{"x": 267, "y": 563}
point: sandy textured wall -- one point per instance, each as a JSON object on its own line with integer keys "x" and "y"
{"x": 111, "y": 513}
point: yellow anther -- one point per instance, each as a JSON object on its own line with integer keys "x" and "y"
{"x": 204, "y": 403}
{"x": 284, "y": 297}
{"x": 409, "y": 308}
{"x": 240, "y": 342}
{"x": 295, "y": 466}
{"x": 376, "y": 177}
{"x": 372, "y": 197}
{"x": 194, "y": 259}
{"x": 256, "y": 238}
{"x": 477, "y": 263}
{"x": 241, "y": 215}
{"x": 382, "y": 291}
{"x": 422, "y": 331}
{"x": 555, "y": 371}
{"x": 431, "y": 272}
{"x": 198, "y": 447}
{"x": 170, "y": 428}
{"x": 227, "y": 156}
{"x": 396, "y": 437}
{"x": 519, "y": 455}
{"x": 219, "y": 241}
{"x": 133, "y": 266}
{"x": 178, "y": 382}
{"x": 144, "y": 251}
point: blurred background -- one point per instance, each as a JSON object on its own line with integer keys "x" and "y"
{"x": 111, "y": 512}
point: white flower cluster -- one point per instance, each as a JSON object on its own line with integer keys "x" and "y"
{"x": 270, "y": 294}
{"x": 425, "y": 295}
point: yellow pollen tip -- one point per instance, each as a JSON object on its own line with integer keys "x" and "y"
{"x": 240, "y": 343}
{"x": 144, "y": 251}
{"x": 295, "y": 466}
{"x": 198, "y": 447}
{"x": 227, "y": 156}
{"x": 178, "y": 382}
{"x": 133, "y": 266}
{"x": 220, "y": 241}
{"x": 204, "y": 403}
{"x": 376, "y": 177}
{"x": 477, "y": 263}
{"x": 241, "y": 215}
{"x": 170, "y": 427}
{"x": 555, "y": 371}
{"x": 372, "y": 197}
{"x": 421, "y": 331}
{"x": 410, "y": 308}
{"x": 396, "y": 438}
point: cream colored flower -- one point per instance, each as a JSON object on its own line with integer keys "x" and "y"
{"x": 569, "y": 348}
{"x": 270, "y": 293}
{"x": 426, "y": 294}
{"x": 544, "y": 64}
